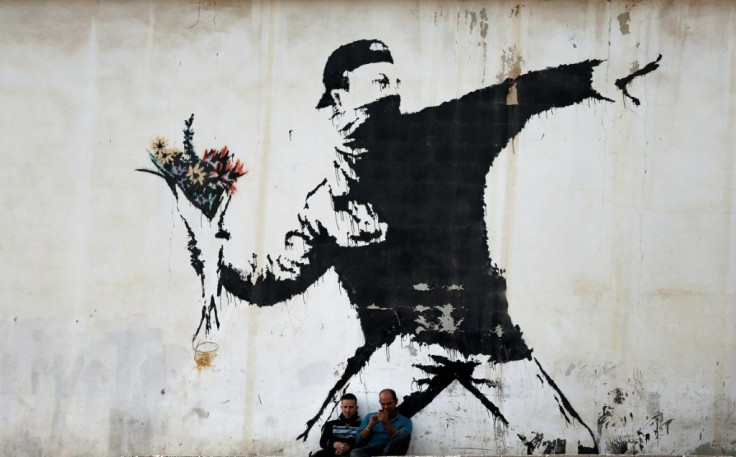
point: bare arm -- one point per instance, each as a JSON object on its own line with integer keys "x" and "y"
{"x": 365, "y": 433}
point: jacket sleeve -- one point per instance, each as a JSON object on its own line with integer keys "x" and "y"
{"x": 483, "y": 121}
{"x": 557, "y": 87}
{"x": 326, "y": 440}
{"x": 308, "y": 253}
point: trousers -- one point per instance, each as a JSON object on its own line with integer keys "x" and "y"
{"x": 397, "y": 445}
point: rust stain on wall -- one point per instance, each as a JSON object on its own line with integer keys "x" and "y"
{"x": 663, "y": 292}
{"x": 204, "y": 359}
{"x": 205, "y": 354}
{"x": 512, "y": 98}
{"x": 511, "y": 61}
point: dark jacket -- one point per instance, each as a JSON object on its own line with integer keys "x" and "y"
{"x": 340, "y": 429}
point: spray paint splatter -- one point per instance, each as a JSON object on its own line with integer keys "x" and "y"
{"x": 626, "y": 426}
{"x": 623, "y": 22}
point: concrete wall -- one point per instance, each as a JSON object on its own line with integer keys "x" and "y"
{"x": 615, "y": 223}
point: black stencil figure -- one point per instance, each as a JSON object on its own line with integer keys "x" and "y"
{"x": 400, "y": 219}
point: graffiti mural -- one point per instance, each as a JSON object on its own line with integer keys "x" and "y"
{"x": 399, "y": 216}
{"x": 514, "y": 214}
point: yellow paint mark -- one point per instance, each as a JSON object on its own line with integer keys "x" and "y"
{"x": 674, "y": 292}
{"x": 204, "y": 354}
{"x": 512, "y": 98}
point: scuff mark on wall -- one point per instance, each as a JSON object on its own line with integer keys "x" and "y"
{"x": 200, "y": 412}
{"x": 623, "y": 22}
{"x": 547, "y": 447}
{"x": 625, "y": 423}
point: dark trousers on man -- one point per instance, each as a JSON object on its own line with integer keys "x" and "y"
{"x": 330, "y": 452}
{"x": 397, "y": 445}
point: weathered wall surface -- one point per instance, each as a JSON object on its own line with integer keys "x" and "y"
{"x": 614, "y": 223}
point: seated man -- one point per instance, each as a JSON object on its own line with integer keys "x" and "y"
{"x": 338, "y": 436}
{"x": 385, "y": 432}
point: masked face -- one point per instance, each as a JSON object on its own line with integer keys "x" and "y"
{"x": 366, "y": 84}
{"x": 371, "y": 88}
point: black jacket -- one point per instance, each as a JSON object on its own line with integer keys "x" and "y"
{"x": 340, "y": 429}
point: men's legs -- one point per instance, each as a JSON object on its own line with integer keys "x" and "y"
{"x": 324, "y": 453}
{"x": 367, "y": 451}
{"x": 399, "y": 443}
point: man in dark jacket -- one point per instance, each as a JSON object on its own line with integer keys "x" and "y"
{"x": 338, "y": 436}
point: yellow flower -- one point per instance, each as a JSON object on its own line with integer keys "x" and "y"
{"x": 159, "y": 144}
{"x": 196, "y": 174}
{"x": 167, "y": 155}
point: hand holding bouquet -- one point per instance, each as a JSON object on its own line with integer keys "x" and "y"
{"x": 205, "y": 182}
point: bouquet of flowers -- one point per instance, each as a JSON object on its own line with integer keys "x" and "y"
{"x": 203, "y": 181}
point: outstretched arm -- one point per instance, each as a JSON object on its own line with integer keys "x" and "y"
{"x": 538, "y": 91}
{"x": 478, "y": 125}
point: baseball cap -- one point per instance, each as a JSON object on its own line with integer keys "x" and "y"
{"x": 348, "y": 57}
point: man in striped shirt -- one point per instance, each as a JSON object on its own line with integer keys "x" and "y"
{"x": 338, "y": 436}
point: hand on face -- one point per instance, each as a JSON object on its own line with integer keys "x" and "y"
{"x": 388, "y": 405}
